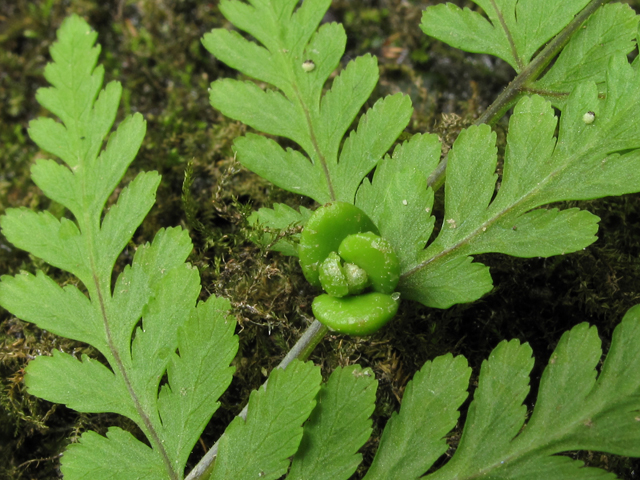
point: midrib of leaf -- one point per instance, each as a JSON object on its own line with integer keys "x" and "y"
{"x": 464, "y": 241}
{"x": 314, "y": 141}
{"x": 90, "y": 227}
{"x": 514, "y": 50}
{"x": 495, "y": 218}
{"x": 548, "y": 93}
{"x": 312, "y": 134}
{"x": 74, "y": 85}
{"x": 100, "y": 289}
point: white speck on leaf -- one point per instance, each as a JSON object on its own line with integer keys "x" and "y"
{"x": 589, "y": 118}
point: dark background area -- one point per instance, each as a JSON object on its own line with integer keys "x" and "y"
{"x": 153, "y": 48}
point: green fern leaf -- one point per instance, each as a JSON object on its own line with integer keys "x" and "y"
{"x": 198, "y": 375}
{"x": 118, "y": 455}
{"x": 260, "y": 446}
{"x": 363, "y": 149}
{"x": 177, "y": 336}
{"x": 275, "y": 220}
{"x": 415, "y": 438}
{"x": 582, "y": 163}
{"x": 575, "y": 409}
{"x": 398, "y": 200}
{"x": 298, "y": 110}
{"x": 514, "y": 31}
{"x": 338, "y": 427}
{"x": 497, "y": 414}
{"x": 608, "y": 32}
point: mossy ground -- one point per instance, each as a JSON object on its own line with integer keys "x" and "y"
{"x": 153, "y": 48}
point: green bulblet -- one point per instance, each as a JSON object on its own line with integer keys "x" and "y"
{"x": 357, "y": 278}
{"x": 374, "y": 255}
{"x": 340, "y": 250}
{"x": 360, "y": 315}
{"x": 324, "y": 232}
{"x": 332, "y": 276}
{"x": 341, "y": 280}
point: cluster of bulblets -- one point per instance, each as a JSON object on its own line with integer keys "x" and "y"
{"x": 342, "y": 252}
